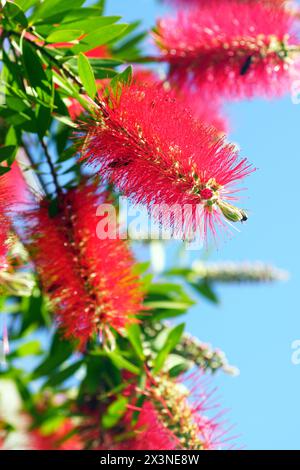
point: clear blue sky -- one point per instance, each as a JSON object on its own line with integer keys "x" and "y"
{"x": 255, "y": 325}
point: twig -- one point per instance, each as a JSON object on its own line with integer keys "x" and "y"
{"x": 34, "y": 166}
{"x": 51, "y": 166}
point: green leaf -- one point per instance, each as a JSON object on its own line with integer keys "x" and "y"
{"x": 86, "y": 25}
{"x": 130, "y": 44}
{"x": 99, "y": 37}
{"x": 58, "y": 6}
{"x": 51, "y": 424}
{"x": 205, "y": 289}
{"x": 66, "y": 120}
{"x": 86, "y": 75}
{"x": 101, "y": 73}
{"x": 135, "y": 337}
{"x": 176, "y": 365}
{"x": 167, "y": 305}
{"x": 114, "y": 412}
{"x": 15, "y": 103}
{"x": 3, "y": 170}
{"x": 64, "y": 35}
{"x": 122, "y": 363}
{"x": 7, "y": 152}
{"x": 12, "y": 137}
{"x": 15, "y": 13}
{"x": 123, "y": 78}
{"x": 33, "y": 67}
{"x": 172, "y": 340}
{"x": 25, "y": 4}
{"x": 43, "y": 118}
{"x": 105, "y": 62}
{"x": 100, "y": 4}
{"x": 32, "y": 348}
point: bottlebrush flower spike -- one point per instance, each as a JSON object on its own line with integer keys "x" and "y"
{"x": 90, "y": 281}
{"x": 153, "y": 150}
{"x": 231, "y": 48}
{"x": 12, "y": 195}
{"x": 191, "y": 428}
{"x": 149, "y": 432}
{"x": 168, "y": 420}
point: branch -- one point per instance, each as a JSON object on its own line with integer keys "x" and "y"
{"x": 51, "y": 166}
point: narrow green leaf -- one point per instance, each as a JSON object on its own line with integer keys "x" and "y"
{"x": 51, "y": 424}
{"x": 104, "y": 73}
{"x": 25, "y": 4}
{"x": 114, "y": 412}
{"x": 131, "y": 43}
{"x": 172, "y": 340}
{"x": 58, "y": 6}
{"x": 99, "y": 37}
{"x": 4, "y": 169}
{"x": 88, "y": 24}
{"x": 65, "y": 120}
{"x": 123, "y": 78}
{"x": 135, "y": 337}
{"x": 32, "y": 348}
{"x": 43, "y": 120}
{"x": 33, "y": 67}
{"x": 64, "y": 35}
{"x": 205, "y": 289}
{"x": 167, "y": 305}
{"x": 105, "y": 62}
{"x": 7, "y": 151}
{"x": 15, "y": 13}
{"x": 86, "y": 75}
{"x": 122, "y": 363}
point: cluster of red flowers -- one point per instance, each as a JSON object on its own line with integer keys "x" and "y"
{"x": 89, "y": 280}
{"x": 227, "y": 48}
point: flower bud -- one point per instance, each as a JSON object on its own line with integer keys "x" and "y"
{"x": 232, "y": 213}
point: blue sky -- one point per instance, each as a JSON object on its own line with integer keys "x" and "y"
{"x": 256, "y": 325}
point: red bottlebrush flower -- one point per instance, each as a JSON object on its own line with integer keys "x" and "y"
{"x": 171, "y": 418}
{"x": 149, "y": 433}
{"x": 153, "y": 150}
{"x": 12, "y": 193}
{"x": 185, "y": 413}
{"x": 231, "y": 48}
{"x": 90, "y": 281}
{"x": 3, "y": 239}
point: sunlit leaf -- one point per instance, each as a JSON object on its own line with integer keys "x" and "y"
{"x": 86, "y": 75}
